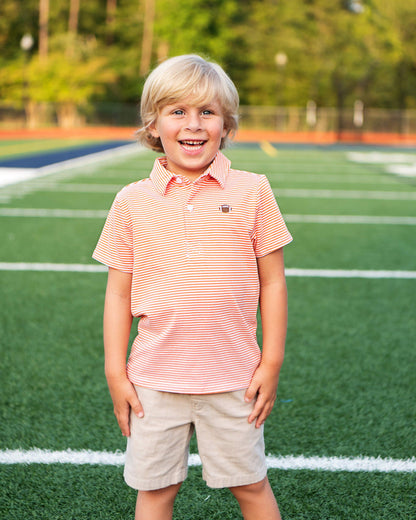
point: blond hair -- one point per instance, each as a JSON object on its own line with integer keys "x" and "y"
{"x": 175, "y": 79}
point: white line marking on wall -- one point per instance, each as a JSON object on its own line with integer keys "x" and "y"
{"x": 288, "y": 462}
{"x": 295, "y": 272}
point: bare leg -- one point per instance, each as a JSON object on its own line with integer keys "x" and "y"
{"x": 257, "y": 501}
{"x": 157, "y": 504}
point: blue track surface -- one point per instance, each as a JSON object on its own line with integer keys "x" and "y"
{"x": 44, "y": 159}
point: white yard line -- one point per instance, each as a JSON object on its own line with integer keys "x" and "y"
{"x": 292, "y": 272}
{"x": 381, "y": 157}
{"x": 340, "y": 178}
{"x": 52, "y": 213}
{"x": 306, "y": 219}
{"x": 288, "y": 462}
{"x": 78, "y": 188}
{"x": 350, "y": 273}
{"x": 345, "y": 194}
{"x": 349, "y": 219}
{"x": 48, "y": 267}
{"x": 11, "y": 176}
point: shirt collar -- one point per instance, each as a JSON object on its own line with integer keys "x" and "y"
{"x": 161, "y": 176}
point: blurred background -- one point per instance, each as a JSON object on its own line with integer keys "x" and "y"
{"x": 347, "y": 67}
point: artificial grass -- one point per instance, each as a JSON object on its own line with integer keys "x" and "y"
{"x": 61, "y": 240}
{"x": 64, "y": 200}
{"x": 332, "y": 246}
{"x": 346, "y": 387}
{"x": 326, "y": 246}
{"x": 58, "y": 492}
{"x": 17, "y": 148}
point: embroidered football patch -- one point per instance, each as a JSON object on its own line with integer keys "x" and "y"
{"x": 225, "y": 208}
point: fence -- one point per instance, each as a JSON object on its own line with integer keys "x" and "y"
{"x": 311, "y": 119}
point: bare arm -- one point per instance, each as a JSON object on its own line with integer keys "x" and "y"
{"x": 117, "y": 325}
{"x": 273, "y": 310}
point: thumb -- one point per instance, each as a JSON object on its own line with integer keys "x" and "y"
{"x": 136, "y": 405}
{"x": 251, "y": 392}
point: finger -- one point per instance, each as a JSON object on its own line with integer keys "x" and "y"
{"x": 258, "y": 407}
{"x": 264, "y": 414}
{"x": 136, "y": 406}
{"x": 251, "y": 392}
{"x": 261, "y": 419}
{"x": 123, "y": 419}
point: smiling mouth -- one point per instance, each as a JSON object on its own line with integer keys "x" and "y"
{"x": 192, "y": 145}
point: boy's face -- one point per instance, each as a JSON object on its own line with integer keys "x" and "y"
{"x": 191, "y": 135}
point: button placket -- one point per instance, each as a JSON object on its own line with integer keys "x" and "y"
{"x": 193, "y": 246}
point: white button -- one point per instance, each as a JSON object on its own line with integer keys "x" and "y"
{"x": 179, "y": 180}
{"x": 189, "y": 207}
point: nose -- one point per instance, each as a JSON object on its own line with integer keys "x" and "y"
{"x": 194, "y": 121}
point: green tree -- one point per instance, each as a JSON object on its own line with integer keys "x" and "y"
{"x": 212, "y": 28}
{"x": 278, "y": 52}
{"x": 396, "y": 82}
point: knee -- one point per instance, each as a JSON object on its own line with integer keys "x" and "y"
{"x": 250, "y": 489}
{"x": 166, "y": 495}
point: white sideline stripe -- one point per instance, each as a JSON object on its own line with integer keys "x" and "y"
{"x": 52, "y": 213}
{"x": 295, "y": 272}
{"x": 306, "y": 219}
{"x": 10, "y": 176}
{"x": 277, "y": 176}
{"x": 345, "y": 194}
{"x": 349, "y": 219}
{"x": 288, "y": 462}
{"x": 78, "y": 188}
{"x": 353, "y": 273}
{"x": 403, "y": 169}
{"x": 381, "y": 157}
{"x": 335, "y": 178}
{"x": 65, "y": 268}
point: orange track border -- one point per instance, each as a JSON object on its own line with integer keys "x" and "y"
{"x": 243, "y": 135}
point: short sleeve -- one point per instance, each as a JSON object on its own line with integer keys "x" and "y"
{"x": 270, "y": 231}
{"x": 115, "y": 245}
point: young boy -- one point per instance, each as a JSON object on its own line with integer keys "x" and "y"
{"x": 191, "y": 251}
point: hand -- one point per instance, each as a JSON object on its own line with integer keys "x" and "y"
{"x": 124, "y": 399}
{"x": 264, "y": 386}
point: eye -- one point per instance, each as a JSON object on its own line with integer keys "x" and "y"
{"x": 178, "y": 112}
{"x": 207, "y": 112}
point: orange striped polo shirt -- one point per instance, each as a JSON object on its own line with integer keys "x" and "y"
{"x": 191, "y": 248}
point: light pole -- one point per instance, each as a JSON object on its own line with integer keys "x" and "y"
{"x": 355, "y": 6}
{"x": 26, "y": 43}
{"x": 281, "y": 60}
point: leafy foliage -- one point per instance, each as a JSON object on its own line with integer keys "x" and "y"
{"x": 285, "y": 53}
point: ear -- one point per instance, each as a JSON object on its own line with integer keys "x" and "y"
{"x": 153, "y": 131}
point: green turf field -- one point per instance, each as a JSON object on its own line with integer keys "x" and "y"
{"x": 348, "y": 384}
{"x": 16, "y": 148}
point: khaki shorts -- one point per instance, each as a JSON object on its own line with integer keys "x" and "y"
{"x": 231, "y": 449}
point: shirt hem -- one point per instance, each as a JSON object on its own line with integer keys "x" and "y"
{"x": 112, "y": 265}
{"x": 192, "y": 391}
{"x": 270, "y": 249}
